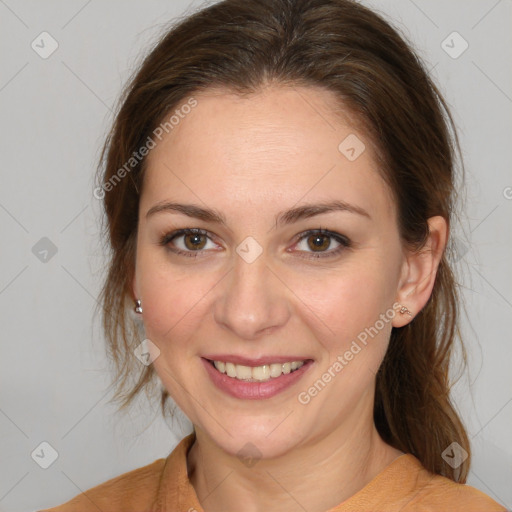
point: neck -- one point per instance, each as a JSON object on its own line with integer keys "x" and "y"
{"x": 337, "y": 466}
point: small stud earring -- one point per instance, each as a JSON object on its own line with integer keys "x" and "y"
{"x": 405, "y": 311}
{"x": 138, "y": 306}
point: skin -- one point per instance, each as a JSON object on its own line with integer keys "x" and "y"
{"x": 251, "y": 158}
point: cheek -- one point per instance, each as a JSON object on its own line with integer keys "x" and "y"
{"x": 172, "y": 298}
{"x": 343, "y": 304}
{"x": 355, "y": 314}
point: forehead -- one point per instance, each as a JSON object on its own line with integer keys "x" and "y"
{"x": 278, "y": 145}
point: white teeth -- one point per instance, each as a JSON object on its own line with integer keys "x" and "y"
{"x": 243, "y": 372}
{"x": 230, "y": 370}
{"x": 257, "y": 373}
{"x": 261, "y": 372}
{"x": 275, "y": 369}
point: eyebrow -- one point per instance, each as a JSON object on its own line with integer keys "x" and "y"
{"x": 283, "y": 217}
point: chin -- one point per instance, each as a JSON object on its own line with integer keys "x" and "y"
{"x": 255, "y": 437}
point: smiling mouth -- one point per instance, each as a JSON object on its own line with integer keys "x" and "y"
{"x": 261, "y": 373}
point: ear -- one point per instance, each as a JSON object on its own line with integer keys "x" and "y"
{"x": 135, "y": 294}
{"x": 133, "y": 285}
{"x": 132, "y": 269}
{"x": 419, "y": 271}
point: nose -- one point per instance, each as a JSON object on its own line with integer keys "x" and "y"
{"x": 252, "y": 301}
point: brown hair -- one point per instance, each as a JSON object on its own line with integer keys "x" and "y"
{"x": 341, "y": 46}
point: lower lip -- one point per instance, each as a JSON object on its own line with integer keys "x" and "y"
{"x": 254, "y": 390}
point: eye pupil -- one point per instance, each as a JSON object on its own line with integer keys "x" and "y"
{"x": 319, "y": 242}
{"x": 195, "y": 243}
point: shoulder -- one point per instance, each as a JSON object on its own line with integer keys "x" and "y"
{"x": 133, "y": 490}
{"x": 407, "y": 486}
{"x": 437, "y": 493}
{"x": 444, "y": 494}
{"x": 141, "y": 490}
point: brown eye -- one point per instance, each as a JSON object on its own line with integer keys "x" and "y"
{"x": 194, "y": 241}
{"x": 188, "y": 242}
{"x": 320, "y": 242}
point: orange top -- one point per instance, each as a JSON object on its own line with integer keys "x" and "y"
{"x": 403, "y": 486}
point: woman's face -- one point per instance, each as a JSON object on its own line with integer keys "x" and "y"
{"x": 263, "y": 288}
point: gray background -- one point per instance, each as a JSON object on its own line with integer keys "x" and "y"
{"x": 55, "y": 113}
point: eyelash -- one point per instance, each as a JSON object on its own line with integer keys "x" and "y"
{"x": 344, "y": 242}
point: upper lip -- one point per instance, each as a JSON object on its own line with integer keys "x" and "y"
{"x": 259, "y": 361}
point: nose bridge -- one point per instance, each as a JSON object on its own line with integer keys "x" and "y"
{"x": 252, "y": 300}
